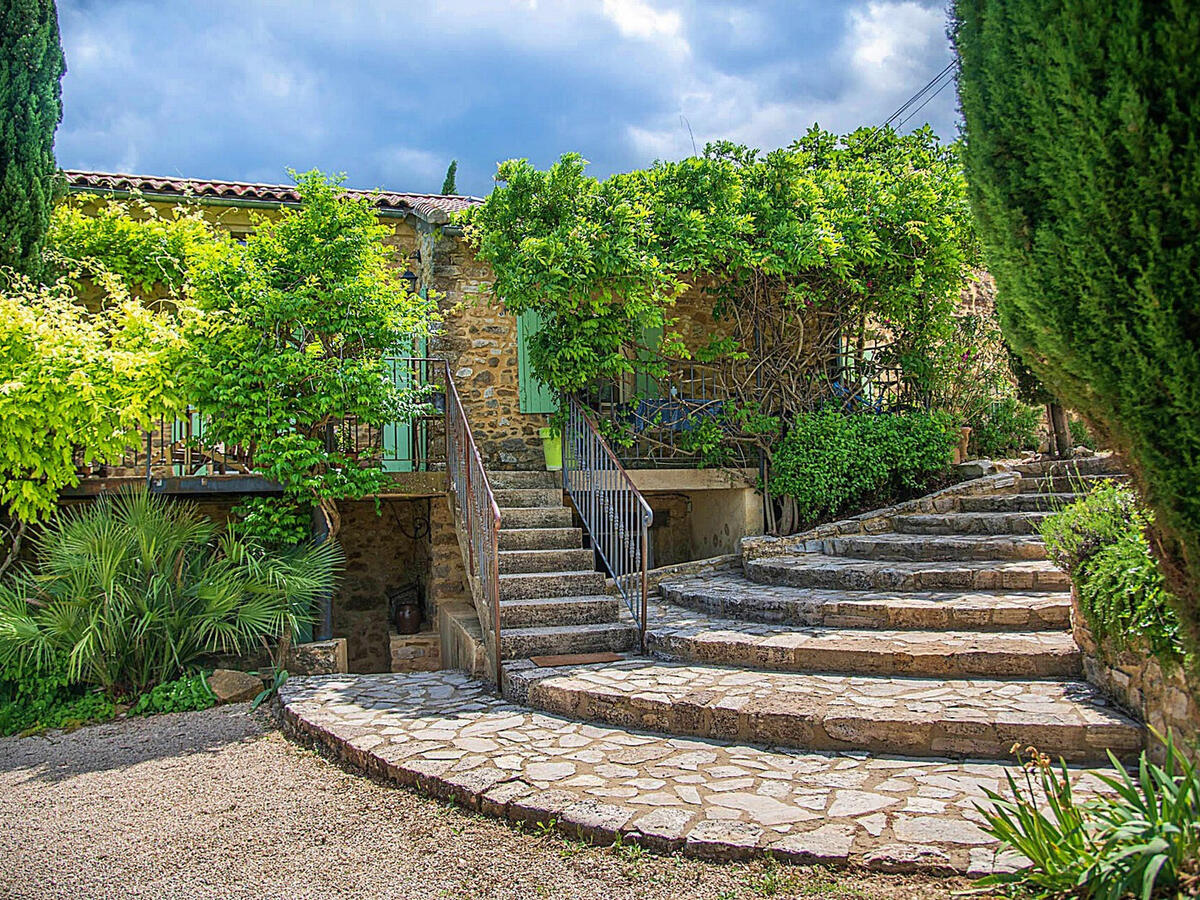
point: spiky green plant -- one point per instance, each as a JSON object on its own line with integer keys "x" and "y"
{"x": 1142, "y": 839}
{"x": 134, "y": 589}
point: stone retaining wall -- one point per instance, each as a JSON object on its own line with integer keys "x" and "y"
{"x": 1137, "y": 682}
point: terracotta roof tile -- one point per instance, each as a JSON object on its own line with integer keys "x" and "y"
{"x": 433, "y": 208}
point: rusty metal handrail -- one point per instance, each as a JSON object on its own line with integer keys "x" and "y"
{"x": 614, "y": 512}
{"x": 478, "y": 512}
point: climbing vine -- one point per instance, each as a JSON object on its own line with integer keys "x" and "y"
{"x": 833, "y": 268}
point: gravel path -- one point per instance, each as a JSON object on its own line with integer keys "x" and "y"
{"x": 218, "y": 804}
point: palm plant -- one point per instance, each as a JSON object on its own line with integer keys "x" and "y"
{"x": 135, "y": 589}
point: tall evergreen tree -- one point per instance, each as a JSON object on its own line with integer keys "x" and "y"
{"x": 1083, "y": 162}
{"x": 448, "y": 186}
{"x": 31, "y": 70}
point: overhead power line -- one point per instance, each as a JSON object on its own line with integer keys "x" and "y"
{"x": 931, "y": 89}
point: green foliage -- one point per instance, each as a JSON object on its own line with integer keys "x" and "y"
{"x": 1143, "y": 839}
{"x": 288, "y": 342}
{"x": 149, "y": 251}
{"x": 871, "y": 225}
{"x": 829, "y": 461}
{"x": 36, "y": 697}
{"x": 1083, "y": 144}
{"x": 183, "y": 694}
{"x": 132, "y": 590}
{"x": 1005, "y": 428}
{"x": 1100, "y": 540}
{"x": 449, "y": 185}
{"x": 1081, "y": 435}
{"x": 274, "y": 521}
{"x": 74, "y": 382}
{"x": 31, "y": 69}
{"x": 278, "y": 679}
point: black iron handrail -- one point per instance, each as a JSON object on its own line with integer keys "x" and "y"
{"x": 614, "y": 512}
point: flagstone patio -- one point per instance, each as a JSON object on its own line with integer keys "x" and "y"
{"x": 446, "y": 734}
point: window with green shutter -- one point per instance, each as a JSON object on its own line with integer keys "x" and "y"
{"x": 535, "y": 396}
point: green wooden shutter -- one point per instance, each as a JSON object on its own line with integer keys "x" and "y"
{"x": 647, "y": 387}
{"x": 535, "y": 396}
{"x": 398, "y": 436}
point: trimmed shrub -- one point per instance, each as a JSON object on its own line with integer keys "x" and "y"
{"x": 1082, "y": 153}
{"x": 31, "y": 69}
{"x": 830, "y": 461}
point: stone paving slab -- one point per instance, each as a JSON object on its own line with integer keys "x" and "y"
{"x": 911, "y": 716}
{"x": 699, "y": 637}
{"x": 733, "y": 595}
{"x": 444, "y": 734}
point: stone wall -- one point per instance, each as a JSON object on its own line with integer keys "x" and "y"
{"x": 1136, "y": 681}
{"x": 385, "y": 551}
{"x": 448, "y": 572}
{"x": 479, "y": 340}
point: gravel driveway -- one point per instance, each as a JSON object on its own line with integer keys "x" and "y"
{"x": 219, "y": 804}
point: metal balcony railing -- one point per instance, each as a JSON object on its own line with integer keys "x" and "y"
{"x": 614, "y": 513}
{"x": 182, "y": 447}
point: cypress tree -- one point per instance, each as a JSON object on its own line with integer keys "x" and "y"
{"x": 448, "y": 185}
{"x": 31, "y": 70}
{"x": 1083, "y": 160}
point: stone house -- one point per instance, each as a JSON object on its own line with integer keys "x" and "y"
{"x": 410, "y": 546}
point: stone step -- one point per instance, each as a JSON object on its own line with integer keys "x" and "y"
{"x": 519, "y": 497}
{"x": 924, "y": 717}
{"x": 733, "y": 596}
{"x": 1105, "y": 464}
{"x": 1066, "y": 483}
{"x": 816, "y": 570}
{"x": 521, "y": 643}
{"x": 507, "y": 480}
{"x": 525, "y": 517}
{"x": 550, "y": 584}
{"x": 932, "y": 547}
{"x": 517, "y": 561}
{"x": 970, "y": 523}
{"x": 536, "y": 612}
{"x": 541, "y": 538}
{"x": 950, "y": 654}
{"x": 1049, "y": 502}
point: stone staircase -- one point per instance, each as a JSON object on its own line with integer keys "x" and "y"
{"x": 552, "y": 599}
{"x": 947, "y": 635}
{"x": 850, "y": 700}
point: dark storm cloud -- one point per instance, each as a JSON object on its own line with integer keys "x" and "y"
{"x": 389, "y": 92}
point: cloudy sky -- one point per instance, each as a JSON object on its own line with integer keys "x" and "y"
{"x": 389, "y": 91}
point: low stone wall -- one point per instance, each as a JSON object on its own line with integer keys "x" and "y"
{"x": 1136, "y": 682}
{"x": 313, "y": 658}
{"x": 420, "y": 652}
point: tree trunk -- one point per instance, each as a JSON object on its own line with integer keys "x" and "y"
{"x": 1060, "y": 430}
{"x": 14, "y": 549}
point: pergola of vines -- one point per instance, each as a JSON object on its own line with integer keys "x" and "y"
{"x": 831, "y": 264}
